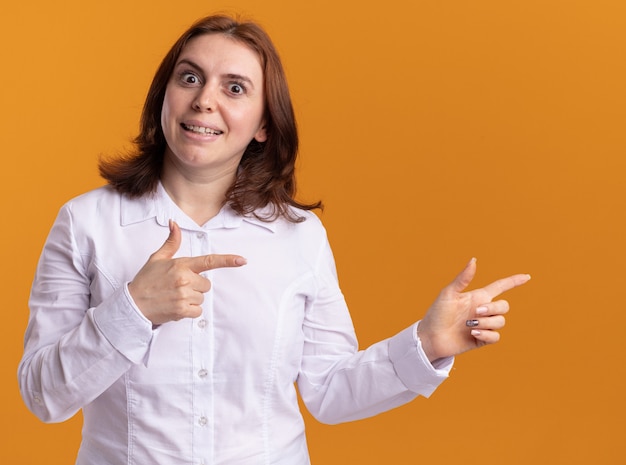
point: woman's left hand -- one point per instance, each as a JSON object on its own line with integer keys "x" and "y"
{"x": 460, "y": 321}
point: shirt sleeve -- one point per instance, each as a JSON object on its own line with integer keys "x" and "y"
{"x": 73, "y": 353}
{"x": 338, "y": 382}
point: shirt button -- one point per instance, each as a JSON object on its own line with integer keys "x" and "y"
{"x": 203, "y": 373}
{"x": 202, "y": 421}
{"x": 202, "y": 323}
{"x": 200, "y": 235}
{"x": 38, "y": 400}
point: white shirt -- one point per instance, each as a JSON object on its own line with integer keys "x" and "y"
{"x": 217, "y": 389}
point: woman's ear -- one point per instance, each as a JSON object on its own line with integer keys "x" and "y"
{"x": 261, "y": 134}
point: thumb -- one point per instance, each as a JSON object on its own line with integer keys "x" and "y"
{"x": 171, "y": 244}
{"x": 464, "y": 278}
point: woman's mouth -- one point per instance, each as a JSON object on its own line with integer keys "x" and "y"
{"x": 200, "y": 130}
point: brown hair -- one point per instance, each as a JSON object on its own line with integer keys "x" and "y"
{"x": 266, "y": 174}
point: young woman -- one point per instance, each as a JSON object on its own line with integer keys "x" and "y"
{"x": 178, "y": 305}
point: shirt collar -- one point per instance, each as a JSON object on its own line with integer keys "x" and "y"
{"x": 160, "y": 206}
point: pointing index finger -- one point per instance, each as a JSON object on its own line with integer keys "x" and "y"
{"x": 505, "y": 284}
{"x": 213, "y": 261}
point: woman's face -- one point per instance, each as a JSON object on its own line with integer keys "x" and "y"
{"x": 213, "y": 106}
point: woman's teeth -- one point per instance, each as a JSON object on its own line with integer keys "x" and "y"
{"x": 201, "y": 130}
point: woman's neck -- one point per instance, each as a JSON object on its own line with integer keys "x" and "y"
{"x": 201, "y": 198}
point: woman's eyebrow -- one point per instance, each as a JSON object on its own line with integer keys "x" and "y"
{"x": 190, "y": 63}
{"x": 239, "y": 77}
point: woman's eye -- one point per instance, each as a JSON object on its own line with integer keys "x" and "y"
{"x": 235, "y": 88}
{"x": 189, "y": 78}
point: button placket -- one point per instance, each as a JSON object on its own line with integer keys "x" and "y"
{"x": 201, "y": 360}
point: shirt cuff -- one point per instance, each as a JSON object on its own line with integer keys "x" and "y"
{"x": 124, "y": 326}
{"x": 413, "y": 367}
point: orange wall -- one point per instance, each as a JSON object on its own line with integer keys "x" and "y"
{"x": 434, "y": 131}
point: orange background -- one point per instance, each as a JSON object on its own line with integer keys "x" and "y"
{"x": 434, "y": 131}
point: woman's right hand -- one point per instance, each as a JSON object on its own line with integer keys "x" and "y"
{"x": 169, "y": 289}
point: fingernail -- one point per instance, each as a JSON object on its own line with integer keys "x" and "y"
{"x": 471, "y": 323}
{"x": 240, "y": 261}
{"x": 481, "y": 310}
{"x": 475, "y": 332}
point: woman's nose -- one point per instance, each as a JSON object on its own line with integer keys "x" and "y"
{"x": 205, "y": 100}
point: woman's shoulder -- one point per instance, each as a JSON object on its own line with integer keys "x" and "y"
{"x": 104, "y": 199}
{"x": 308, "y": 227}
{"x": 88, "y": 207}
{"x": 93, "y": 197}
{"x": 102, "y": 203}
{"x": 292, "y": 222}
{"x": 294, "y": 218}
